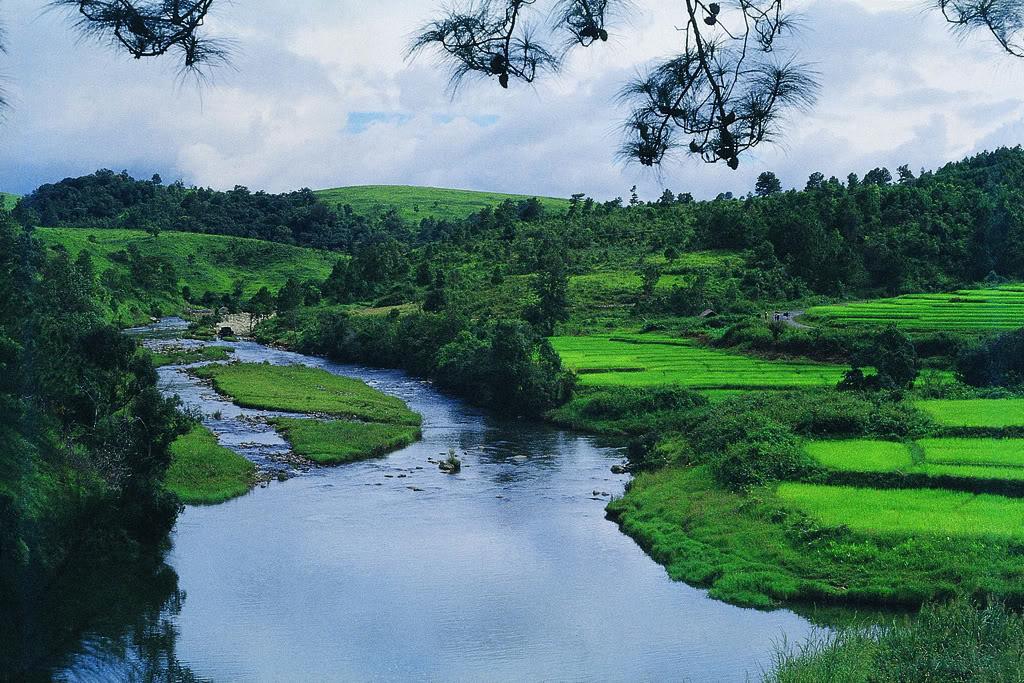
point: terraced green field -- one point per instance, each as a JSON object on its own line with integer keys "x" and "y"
{"x": 7, "y": 200}
{"x": 985, "y": 413}
{"x": 966, "y": 310}
{"x": 994, "y": 452}
{"x": 415, "y": 203}
{"x": 968, "y": 458}
{"x": 861, "y": 455}
{"x": 930, "y": 512}
{"x": 644, "y": 360}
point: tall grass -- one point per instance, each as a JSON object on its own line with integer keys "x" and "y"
{"x": 957, "y": 641}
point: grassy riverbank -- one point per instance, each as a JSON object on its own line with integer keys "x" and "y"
{"x": 204, "y": 472}
{"x": 298, "y": 389}
{"x": 948, "y": 642}
{"x": 338, "y": 442}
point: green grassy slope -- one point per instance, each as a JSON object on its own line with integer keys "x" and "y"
{"x": 7, "y": 200}
{"x": 202, "y": 262}
{"x": 414, "y": 203}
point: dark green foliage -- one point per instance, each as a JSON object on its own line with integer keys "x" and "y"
{"x": 84, "y": 443}
{"x": 893, "y": 355}
{"x": 501, "y": 364}
{"x": 995, "y": 362}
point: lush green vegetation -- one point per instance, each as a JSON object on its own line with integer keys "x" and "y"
{"x": 646, "y": 360}
{"x": 415, "y": 203}
{"x": 984, "y": 413}
{"x": 956, "y": 641}
{"x": 299, "y": 389}
{"x": 137, "y": 275}
{"x": 861, "y": 455}
{"x": 84, "y": 441}
{"x": 909, "y": 512}
{"x": 964, "y": 310}
{"x": 8, "y": 201}
{"x": 183, "y": 356}
{"x": 336, "y": 442}
{"x": 1007, "y": 452}
{"x": 203, "y": 471}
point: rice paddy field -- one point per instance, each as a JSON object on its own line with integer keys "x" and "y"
{"x": 913, "y": 512}
{"x": 954, "y": 457}
{"x": 977, "y": 413}
{"x": 415, "y": 203}
{"x": 966, "y": 310}
{"x": 645, "y": 360}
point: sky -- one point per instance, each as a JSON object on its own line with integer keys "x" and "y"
{"x": 320, "y": 94}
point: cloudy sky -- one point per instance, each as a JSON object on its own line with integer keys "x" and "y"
{"x": 319, "y": 95}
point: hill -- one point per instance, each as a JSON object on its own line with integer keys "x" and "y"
{"x": 7, "y": 200}
{"x": 203, "y": 263}
{"x": 414, "y": 203}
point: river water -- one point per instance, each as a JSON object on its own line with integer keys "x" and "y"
{"x": 506, "y": 571}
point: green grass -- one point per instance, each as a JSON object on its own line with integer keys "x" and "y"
{"x": 758, "y": 550}
{"x": 8, "y": 201}
{"x": 644, "y": 360}
{"x": 994, "y": 452}
{"x": 911, "y": 512}
{"x": 967, "y": 310}
{"x": 861, "y": 455}
{"x": 337, "y": 442}
{"x": 415, "y": 203}
{"x": 202, "y": 262}
{"x": 980, "y": 412}
{"x": 299, "y": 389}
{"x": 187, "y": 356}
{"x": 204, "y": 472}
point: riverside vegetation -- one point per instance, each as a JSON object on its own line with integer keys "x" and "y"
{"x": 661, "y": 307}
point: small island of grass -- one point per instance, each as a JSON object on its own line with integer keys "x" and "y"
{"x": 183, "y": 356}
{"x": 299, "y": 389}
{"x": 204, "y": 472}
{"x": 337, "y": 442}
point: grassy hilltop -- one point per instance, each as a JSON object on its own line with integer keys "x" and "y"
{"x": 414, "y": 203}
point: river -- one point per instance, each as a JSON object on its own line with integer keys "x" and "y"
{"x": 506, "y": 571}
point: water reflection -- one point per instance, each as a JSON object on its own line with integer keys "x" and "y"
{"x": 100, "y": 621}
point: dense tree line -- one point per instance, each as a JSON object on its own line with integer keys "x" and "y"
{"x": 85, "y": 434}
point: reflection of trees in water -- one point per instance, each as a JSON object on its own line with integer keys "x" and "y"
{"x": 110, "y": 621}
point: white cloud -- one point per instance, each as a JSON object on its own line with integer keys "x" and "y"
{"x": 897, "y": 89}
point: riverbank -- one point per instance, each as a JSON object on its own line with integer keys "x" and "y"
{"x": 337, "y": 442}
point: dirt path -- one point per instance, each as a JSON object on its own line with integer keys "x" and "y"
{"x": 787, "y": 317}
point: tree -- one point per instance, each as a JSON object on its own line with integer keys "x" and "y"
{"x": 260, "y": 306}
{"x": 767, "y": 184}
{"x": 815, "y": 181}
{"x": 878, "y": 176}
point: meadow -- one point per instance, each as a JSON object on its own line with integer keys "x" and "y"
{"x": 337, "y": 442}
{"x": 8, "y": 201}
{"x": 204, "y": 472}
{"x": 909, "y": 512}
{"x": 966, "y": 310}
{"x": 415, "y": 203}
{"x": 645, "y": 360}
{"x": 299, "y": 389}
